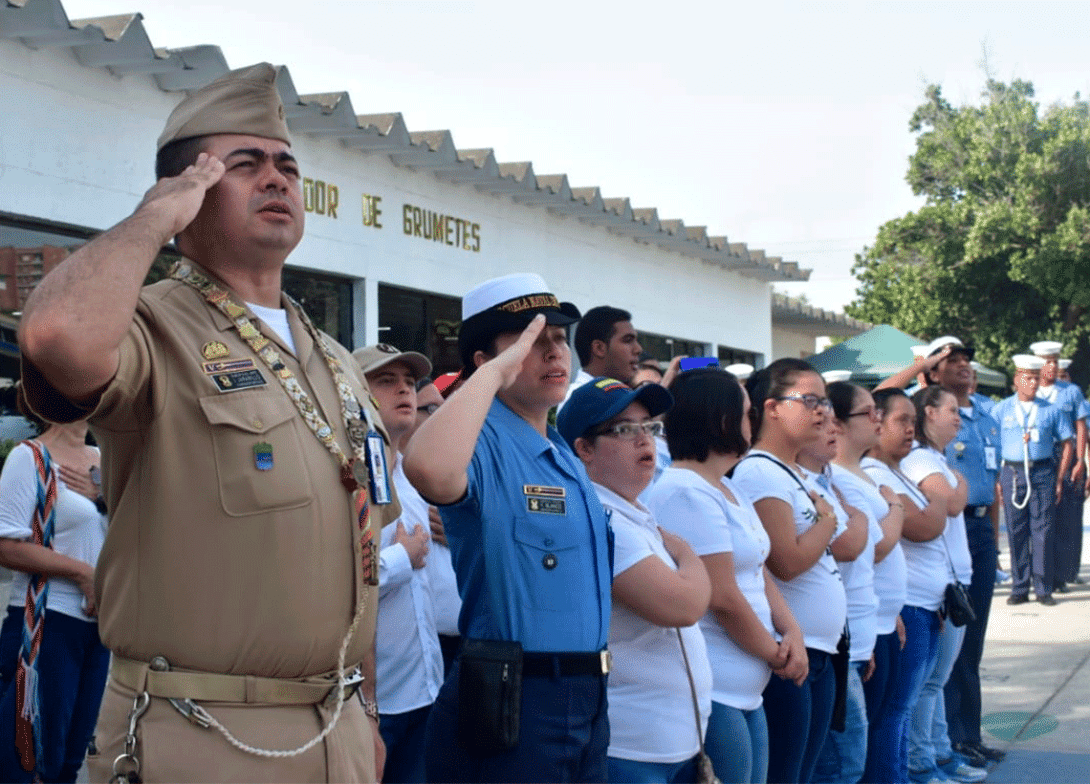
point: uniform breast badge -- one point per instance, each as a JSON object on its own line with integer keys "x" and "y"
{"x": 214, "y": 350}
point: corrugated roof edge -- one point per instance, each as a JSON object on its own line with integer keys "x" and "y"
{"x": 790, "y": 310}
{"x": 121, "y": 45}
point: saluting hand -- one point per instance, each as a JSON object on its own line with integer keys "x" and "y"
{"x": 175, "y": 201}
{"x": 508, "y": 363}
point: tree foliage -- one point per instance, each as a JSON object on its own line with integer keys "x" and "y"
{"x": 999, "y": 254}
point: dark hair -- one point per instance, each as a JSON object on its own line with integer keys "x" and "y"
{"x": 597, "y": 324}
{"x": 488, "y": 346}
{"x": 922, "y": 400}
{"x": 22, "y": 405}
{"x": 842, "y": 395}
{"x": 706, "y": 416}
{"x": 884, "y": 395}
{"x": 173, "y": 159}
{"x": 771, "y": 382}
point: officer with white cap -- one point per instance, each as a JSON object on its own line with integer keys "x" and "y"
{"x": 1033, "y": 431}
{"x": 531, "y": 548}
{"x": 1070, "y": 400}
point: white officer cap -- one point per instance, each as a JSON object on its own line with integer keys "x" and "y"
{"x": 919, "y": 351}
{"x": 1064, "y": 364}
{"x": 836, "y": 375}
{"x": 740, "y": 370}
{"x": 938, "y": 344}
{"x": 1046, "y": 348}
{"x": 1027, "y": 362}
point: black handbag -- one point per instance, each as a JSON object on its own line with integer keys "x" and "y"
{"x": 489, "y": 695}
{"x": 957, "y": 606}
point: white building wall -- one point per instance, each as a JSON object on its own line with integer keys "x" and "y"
{"x": 77, "y": 146}
{"x": 786, "y": 343}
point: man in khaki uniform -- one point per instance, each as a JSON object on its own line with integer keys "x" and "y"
{"x": 240, "y": 558}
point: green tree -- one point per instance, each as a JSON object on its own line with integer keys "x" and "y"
{"x": 999, "y": 254}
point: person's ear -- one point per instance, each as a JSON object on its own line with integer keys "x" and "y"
{"x": 480, "y": 357}
{"x": 584, "y": 449}
{"x": 598, "y": 348}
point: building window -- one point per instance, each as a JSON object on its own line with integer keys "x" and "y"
{"x": 665, "y": 348}
{"x": 732, "y": 356}
{"x": 419, "y": 321}
{"x": 327, "y": 299}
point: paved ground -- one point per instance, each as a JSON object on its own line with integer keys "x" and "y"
{"x": 1036, "y": 679}
{"x": 1036, "y": 686}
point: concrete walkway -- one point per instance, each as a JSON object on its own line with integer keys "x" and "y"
{"x": 1036, "y": 685}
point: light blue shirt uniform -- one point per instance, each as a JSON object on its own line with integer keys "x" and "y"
{"x": 1051, "y": 427}
{"x": 985, "y": 403}
{"x": 531, "y": 543}
{"x": 974, "y": 453}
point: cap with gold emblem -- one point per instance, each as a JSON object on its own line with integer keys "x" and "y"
{"x": 371, "y": 358}
{"x": 241, "y": 101}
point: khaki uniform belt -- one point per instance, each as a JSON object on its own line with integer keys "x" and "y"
{"x": 214, "y": 687}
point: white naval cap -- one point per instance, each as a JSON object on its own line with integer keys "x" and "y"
{"x": 1046, "y": 348}
{"x": 1064, "y": 364}
{"x": 831, "y": 376}
{"x": 740, "y": 370}
{"x": 1027, "y": 362}
{"x": 919, "y": 351}
{"x": 938, "y": 344}
{"x": 976, "y": 366}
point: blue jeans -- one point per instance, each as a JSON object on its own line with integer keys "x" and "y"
{"x": 799, "y": 719}
{"x": 622, "y": 771}
{"x": 403, "y": 734}
{"x": 737, "y": 743}
{"x": 72, "y": 668}
{"x": 962, "y": 691}
{"x": 844, "y": 755}
{"x": 563, "y": 734}
{"x": 928, "y": 741}
{"x": 887, "y": 749}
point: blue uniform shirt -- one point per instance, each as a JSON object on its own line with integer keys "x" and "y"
{"x": 530, "y": 542}
{"x": 985, "y": 403}
{"x": 975, "y": 454}
{"x": 1051, "y": 427}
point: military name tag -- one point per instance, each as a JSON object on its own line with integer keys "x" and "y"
{"x": 227, "y": 366}
{"x": 556, "y": 506}
{"x": 544, "y": 491}
{"x": 241, "y": 379}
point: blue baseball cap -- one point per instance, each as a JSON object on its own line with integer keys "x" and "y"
{"x": 601, "y": 399}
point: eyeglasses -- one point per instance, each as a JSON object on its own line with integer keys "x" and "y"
{"x": 875, "y": 414}
{"x": 811, "y": 402}
{"x": 630, "y": 431}
{"x": 429, "y": 409}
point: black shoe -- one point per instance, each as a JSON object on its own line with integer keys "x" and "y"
{"x": 1079, "y": 581}
{"x": 1017, "y": 598}
{"x": 1047, "y": 601}
{"x": 972, "y": 756}
{"x": 1060, "y": 588}
{"x": 986, "y": 752}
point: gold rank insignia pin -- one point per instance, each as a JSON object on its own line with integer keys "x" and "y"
{"x": 214, "y": 350}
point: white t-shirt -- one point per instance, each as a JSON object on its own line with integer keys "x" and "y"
{"x": 859, "y": 574}
{"x": 650, "y": 702}
{"x": 277, "y": 320}
{"x": 920, "y": 463}
{"x": 78, "y": 529}
{"x": 891, "y": 573}
{"x": 816, "y": 597}
{"x": 685, "y": 504}
{"x": 925, "y": 562}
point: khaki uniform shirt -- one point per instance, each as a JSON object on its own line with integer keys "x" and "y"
{"x": 209, "y": 561}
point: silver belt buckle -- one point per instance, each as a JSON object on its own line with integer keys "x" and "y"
{"x": 607, "y": 661}
{"x": 349, "y": 685}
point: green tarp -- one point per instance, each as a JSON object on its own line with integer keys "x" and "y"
{"x": 880, "y": 352}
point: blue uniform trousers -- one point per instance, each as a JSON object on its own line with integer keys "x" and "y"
{"x": 1031, "y": 531}
{"x": 563, "y": 734}
{"x": 403, "y": 734}
{"x": 1068, "y": 550}
{"x": 72, "y": 668}
{"x": 962, "y": 692}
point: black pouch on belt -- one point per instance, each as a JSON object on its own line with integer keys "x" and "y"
{"x": 957, "y": 605}
{"x": 840, "y": 670}
{"x": 489, "y": 695}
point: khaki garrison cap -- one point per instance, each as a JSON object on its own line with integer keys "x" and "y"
{"x": 241, "y": 101}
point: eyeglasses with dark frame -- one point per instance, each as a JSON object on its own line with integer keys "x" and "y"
{"x": 875, "y": 414}
{"x": 630, "y": 431}
{"x": 811, "y": 402}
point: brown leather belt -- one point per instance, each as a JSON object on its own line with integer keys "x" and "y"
{"x": 214, "y": 687}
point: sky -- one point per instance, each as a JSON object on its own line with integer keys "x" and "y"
{"x": 780, "y": 125}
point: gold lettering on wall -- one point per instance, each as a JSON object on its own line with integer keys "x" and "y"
{"x": 320, "y": 197}
{"x": 447, "y": 229}
{"x": 372, "y": 210}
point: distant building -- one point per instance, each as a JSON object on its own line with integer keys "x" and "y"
{"x": 21, "y": 269}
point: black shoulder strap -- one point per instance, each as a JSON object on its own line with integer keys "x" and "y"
{"x": 773, "y": 460}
